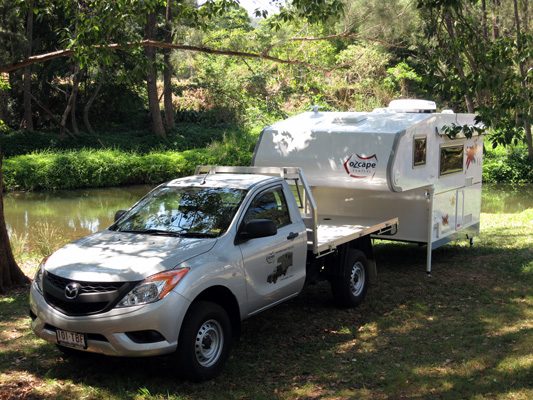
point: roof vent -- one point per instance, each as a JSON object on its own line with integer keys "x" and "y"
{"x": 413, "y": 106}
{"x": 349, "y": 119}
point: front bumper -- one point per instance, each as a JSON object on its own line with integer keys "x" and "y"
{"x": 106, "y": 332}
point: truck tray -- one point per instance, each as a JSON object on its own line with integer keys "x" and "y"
{"x": 334, "y": 230}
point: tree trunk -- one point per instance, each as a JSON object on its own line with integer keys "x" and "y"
{"x": 70, "y": 103}
{"x": 526, "y": 112}
{"x": 28, "y": 115}
{"x": 151, "y": 79}
{"x": 3, "y": 99}
{"x": 73, "y": 120}
{"x": 529, "y": 139}
{"x": 448, "y": 20}
{"x": 88, "y": 106}
{"x": 167, "y": 73}
{"x": 495, "y": 19}
{"x": 525, "y": 10}
{"x": 10, "y": 273}
{"x": 484, "y": 19}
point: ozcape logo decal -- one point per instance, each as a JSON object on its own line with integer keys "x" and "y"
{"x": 358, "y": 166}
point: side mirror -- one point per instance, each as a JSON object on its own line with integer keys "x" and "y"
{"x": 257, "y": 228}
{"x": 119, "y": 214}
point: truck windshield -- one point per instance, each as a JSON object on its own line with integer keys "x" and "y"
{"x": 183, "y": 211}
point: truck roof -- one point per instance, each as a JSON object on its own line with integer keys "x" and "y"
{"x": 236, "y": 181}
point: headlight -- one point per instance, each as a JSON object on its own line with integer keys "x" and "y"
{"x": 38, "y": 279}
{"x": 153, "y": 288}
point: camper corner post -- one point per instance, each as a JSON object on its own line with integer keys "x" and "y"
{"x": 429, "y": 196}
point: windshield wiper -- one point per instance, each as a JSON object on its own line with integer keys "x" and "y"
{"x": 153, "y": 232}
{"x": 198, "y": 234}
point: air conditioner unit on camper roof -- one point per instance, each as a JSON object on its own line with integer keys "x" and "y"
{"x": 413, "y": 106}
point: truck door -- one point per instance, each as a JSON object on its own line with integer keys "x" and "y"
{"x": 274, "y": 265}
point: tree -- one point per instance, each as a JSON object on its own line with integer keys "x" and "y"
{"x": 28, "y": 115}
{"x": 151, "y": 78}
{"x": 494, "y": 75}
{"x": 94, "y": 31}
{"x": 10, "y": 273}
{"x": 167, "y": 72}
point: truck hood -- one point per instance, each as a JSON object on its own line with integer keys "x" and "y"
{"x": 110, "y": 256}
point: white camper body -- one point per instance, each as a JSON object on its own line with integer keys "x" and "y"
{"x": 384, "y": 164}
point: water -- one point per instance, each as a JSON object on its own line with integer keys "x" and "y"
{"x": 506, "y": 199}
{"x": 62, "y": 216}
{"x": 59, "y": 217}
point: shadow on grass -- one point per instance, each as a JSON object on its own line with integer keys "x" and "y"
{"x": 464, "y": 332}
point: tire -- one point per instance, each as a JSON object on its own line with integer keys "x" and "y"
{"x": 350, "y": 284}
{"x": 204, "y": 342}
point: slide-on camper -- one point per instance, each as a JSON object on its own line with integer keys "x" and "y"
{"x": 391, "y": 162}
{"x": 181, "y": 269}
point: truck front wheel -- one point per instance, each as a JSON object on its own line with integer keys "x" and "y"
{"x": 204, "y": 342}
{"x": 350, "y": 283}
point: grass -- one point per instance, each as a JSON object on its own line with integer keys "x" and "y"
{"x": 185, "y": 136}
{"x": 73, "y": 169}
{"x": 465, "y": 333}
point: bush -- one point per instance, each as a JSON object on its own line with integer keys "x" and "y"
{"x": 183, "y": 137}
{"x": 507, "y": 165}
{"x": 72, "y": 169}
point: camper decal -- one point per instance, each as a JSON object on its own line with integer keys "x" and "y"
{"x": 445, "y": 219}
{"x": 471, "y": 152}
{"x": 283, "y": 264}
{"x": 360, "y": 166}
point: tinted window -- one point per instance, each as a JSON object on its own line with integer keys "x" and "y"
{"x": 451, "y": 159}
{"x": 269, "y": 205}
{"x": 419, "y": 151}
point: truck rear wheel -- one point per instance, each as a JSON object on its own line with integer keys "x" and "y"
{"x": 204, "y": 342}
{"x": 350, "y": 284}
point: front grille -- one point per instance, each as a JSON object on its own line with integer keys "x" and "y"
{"x": 92, "y": 298}
{"x": 86, "y": 287}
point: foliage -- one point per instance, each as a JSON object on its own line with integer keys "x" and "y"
{"x": 510, "y": 165}
{"x": 400, "y": 76}
{"x": 48, "y": 170}
{"x": 491, "y": 72}
{"x": 185, "y": 136}
{"x": 375, "y": 51}
{"x": 361, "y": 84}
{"x": 466, "y": 130}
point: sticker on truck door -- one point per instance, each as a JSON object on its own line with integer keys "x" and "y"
{"x": 282, "y": 266}
{"x": 361, "y": 166}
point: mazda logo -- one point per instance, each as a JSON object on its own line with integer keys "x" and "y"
{"x": 72, "y": 290}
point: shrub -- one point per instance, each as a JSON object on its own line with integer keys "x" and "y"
{"x": 72, "y": 169}
{"x": 507, "y": 165}
{"x": 182, "y": 137}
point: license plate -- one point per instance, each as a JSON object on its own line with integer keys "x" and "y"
{"x": 71, "y": 339}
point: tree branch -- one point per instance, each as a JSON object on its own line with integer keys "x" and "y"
{"x": 162, "y": 45}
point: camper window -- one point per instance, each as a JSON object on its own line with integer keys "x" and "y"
{"x": 419, "y": 151}
{"x": 451, "y": 159}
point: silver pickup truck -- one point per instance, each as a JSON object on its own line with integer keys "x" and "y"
{"x": 180, "y": 270}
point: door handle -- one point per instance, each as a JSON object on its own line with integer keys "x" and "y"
{"x": 292, "y": 235}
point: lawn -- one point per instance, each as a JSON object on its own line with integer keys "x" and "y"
{"x": 464, "y": 333}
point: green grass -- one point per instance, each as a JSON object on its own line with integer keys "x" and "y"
{"x": 185, "y": 136}
{"x": 73, "y": 169}
{"x": 465, "y": 333}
